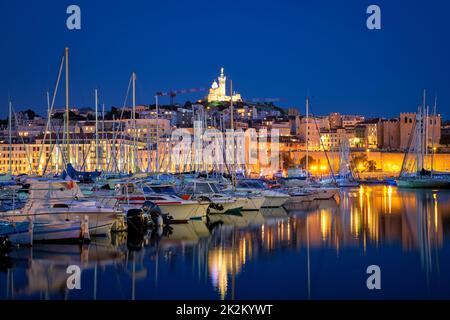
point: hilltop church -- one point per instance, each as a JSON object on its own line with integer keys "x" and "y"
{"x": 218, "y": 91}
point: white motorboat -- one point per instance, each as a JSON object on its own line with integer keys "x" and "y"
{"x": 273, "y": 199}
{"x": 208, "y": 192}
{"x": 135, "y": 194}
{"x": 62, "y": 200}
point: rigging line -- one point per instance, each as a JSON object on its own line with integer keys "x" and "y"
{"x": 123, "y": 108}
{"x": 57, "y": 144}
{"x": 323, "y": 147}
{"x": 413, "y": 134}
{"x": 52, "y": 105}
{"x": 86, "y": 154}
{"x": 111, "y": 161}
{"x": 21, "y": 137}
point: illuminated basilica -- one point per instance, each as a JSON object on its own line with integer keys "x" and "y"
{"x": 218, "y": 91}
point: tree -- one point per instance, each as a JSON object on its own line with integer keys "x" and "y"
{"x": 287, "y": 160}
{"x": 30, "y": 114}
{"x": 72, "y": 116}
{"x": 311, "y": 161}
{"x": 117, "y": 113}
{"x": 363, "y": 164}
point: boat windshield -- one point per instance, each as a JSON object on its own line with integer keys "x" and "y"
{"x": 214, "y": 188}
{"x": 251, "y": 184}
{"x": 163, "y": 189}
{"x": 203, "y": 188}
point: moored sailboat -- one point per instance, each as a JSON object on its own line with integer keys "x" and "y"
{"x": 417, "y": 171}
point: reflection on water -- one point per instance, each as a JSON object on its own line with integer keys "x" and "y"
{"x": 320, "y": 250}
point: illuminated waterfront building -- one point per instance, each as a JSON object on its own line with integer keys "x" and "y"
{"x": 333, "y": 139}
{"x": 116, "y": 153}
{"x": 390, "y": 134}
{"x": 369, "y": 134}
{"x": 407, "y": 123}
{"x": 351, "y": 120}
{"x": 335, "y": 120}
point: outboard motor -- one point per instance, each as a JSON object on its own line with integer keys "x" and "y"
{"x": 154, "y": 213}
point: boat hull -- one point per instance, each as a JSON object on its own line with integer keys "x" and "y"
{"x": 274, "y": 201}
{"x": 253, "y": 203}
{"x": 324, "y": 193}
{"x": 184, "y": 212}
{"x": 57, "y": 230}
{"x": 100, "y": 221}
{"x": 230, "y": 207}
{"x": 423, "y": 183}
{"x": 180, "y": 211}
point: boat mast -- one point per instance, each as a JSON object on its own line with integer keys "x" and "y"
{"x": 307, "y": 138}
{"x": 426, "y": 136}
{"x": 148, "y": 149}
{"x": 10, "y": 137}
{"x": 133, "y": 116}
{"x": 103, "y": 137}
{"x": 157, "y": 135}
{"x": 233, "y": 169}
{"x": 67, "y": 106}
{"x": 49, "y": 115}
{"x": 96, "y": 131}
{"x": 422, "y": 131}
{"x": 432, "y": 135}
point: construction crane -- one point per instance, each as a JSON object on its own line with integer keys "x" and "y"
{"x": 264, "y": 100}
{"x": 173, "y": 93}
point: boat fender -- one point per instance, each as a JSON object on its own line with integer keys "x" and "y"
{"x": 85, "y": 229}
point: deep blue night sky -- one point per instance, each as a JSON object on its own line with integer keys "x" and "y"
{"x": 271, "y": 49}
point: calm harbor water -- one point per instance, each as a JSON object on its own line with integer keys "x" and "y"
{"x": 319, "y": 251}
